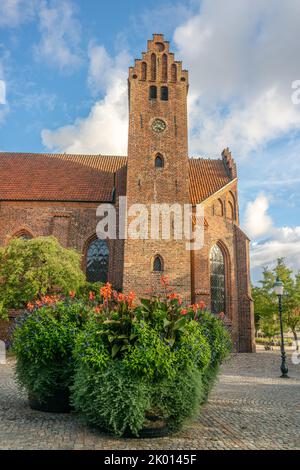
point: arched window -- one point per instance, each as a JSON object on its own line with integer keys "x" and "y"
{"x": 217, "y": 280}
{"x": 24, "y": 234}
{"x": 231, "y": 207}
{"x": 230, "y": 213}
{"x": 219, "y": 208}
{"x": 164, "y": 93}
{"x": 152, "y": 92}
{"x": 144, "y": 71}
{"x": 164, "y": 70}
{"x": 153, "y": 67}
{"x": 159, "y": 161}
{"x": 97, "y": 258}
{"x": 174, "y": 73}
{"x": 158, "y": 264}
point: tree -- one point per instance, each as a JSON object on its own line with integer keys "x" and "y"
{"x": 37, "y": 267}
{"x": 266, "y": 303}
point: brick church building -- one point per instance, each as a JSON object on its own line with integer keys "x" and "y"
{"x": 51, "y": 194}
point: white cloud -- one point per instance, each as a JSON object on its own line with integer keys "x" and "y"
{"x": 15, "y": 12}
{"x": 242, "y": 62}
{"x": 279, "y": 242}
{"x": 284, "y": 242}
{"x": 60, "y": 35}
{"x": 106, "y": 127}
{"x": 257, "y": 221}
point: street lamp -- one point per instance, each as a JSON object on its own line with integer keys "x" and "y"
{"x": 278, "y": 289}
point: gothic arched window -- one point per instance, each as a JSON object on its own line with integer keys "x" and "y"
{"x": 159, "y": 161}
{"x": 164, "y": 71}
{"x": 152, "y": 93}
{"x": 164, "y": 93}
{"x": 24, "y": 234}
{"x": 217, "y": 280}
{"x": 97, "y": 258}
{"x": 144, "y": 71}
{"x": 158, "y": 264}
{"x": 174, "y": 73}
{"x": 153, "y": 67}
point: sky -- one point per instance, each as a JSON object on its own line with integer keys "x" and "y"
{"x": 63, "y": 88}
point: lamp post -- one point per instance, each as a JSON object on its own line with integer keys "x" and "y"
{"x": 278, "y": 289}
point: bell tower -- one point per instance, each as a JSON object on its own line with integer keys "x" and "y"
{"x": 157, "y": 169}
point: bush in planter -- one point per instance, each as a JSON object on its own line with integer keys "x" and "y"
{"x": 220, "y": 343}
{"x": 43, "y": 342}
{"x": 31, "y": 268}
{"x": 138, "y": 367}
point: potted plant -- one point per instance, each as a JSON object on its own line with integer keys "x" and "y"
{"x": 144, "y": 370}
{"x": 43, "y": 342}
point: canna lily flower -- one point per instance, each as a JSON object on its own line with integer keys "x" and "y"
{"x": 91, "y": 296}
{"x": 121, "y": 297}
{"x": 30, "y": 306}
{"x": 106, "y": 291}
{"x": 164, "y": 281}
{"x": 202, "y": 305}
{"x": 72, "y": 294}
{"x": 184, "y": 311}
{"x": 130, "y": 298}
{"x": 174, "y": 296}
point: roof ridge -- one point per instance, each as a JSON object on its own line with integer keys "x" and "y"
{"x": 62, "y": 154}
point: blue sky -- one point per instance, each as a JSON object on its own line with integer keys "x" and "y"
{"x": 64, "y": 64}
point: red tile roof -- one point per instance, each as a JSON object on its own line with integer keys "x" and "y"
{"x": 49, "y": 177}
{"x": 206, "y": 178}
{"x": 62, "y": 177}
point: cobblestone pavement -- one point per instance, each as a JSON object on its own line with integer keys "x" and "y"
{"x": 249, "y": 408}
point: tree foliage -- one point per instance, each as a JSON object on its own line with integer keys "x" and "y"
{"x": 32, "y": 268}
{"x": 266, "y": 302}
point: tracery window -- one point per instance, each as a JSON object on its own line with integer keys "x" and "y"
{"x": 97, "y": 259}
{"x": 159, "y": 161}
{"x": 217, "y": 280}
{"x": 157, "y": 264}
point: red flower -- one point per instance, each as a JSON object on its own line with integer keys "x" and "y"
{"x": 91, "y": 296}
{"x": 174, "y": 296}
{"x": 97, "y": 309}
{"x": 121, "y": 297}
{"x": 164, "y": 280}
{"x": 30, "y": 306}
{"x": 202, "y": 305}
{"x": 130, "y": 298}
{"x": 72, "y": 294}
{"x": 106, "y": 291}
{"x": 184, "y": 311}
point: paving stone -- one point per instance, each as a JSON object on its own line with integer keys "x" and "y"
{"x": 250, "y": 407}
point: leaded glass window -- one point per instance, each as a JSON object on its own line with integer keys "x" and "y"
{"x": 217, "y": 280}
{"x": 97, "y": 261}
{"x": 157, "y": 265}
{"x": 25, "y": 236}
{"x": 159, "y": 161}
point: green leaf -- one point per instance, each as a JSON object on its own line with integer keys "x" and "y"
{"x": 115, "y": 349}
{"x": 179, "y": 324}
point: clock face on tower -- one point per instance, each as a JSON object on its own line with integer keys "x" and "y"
{"x": 158, "y": 125}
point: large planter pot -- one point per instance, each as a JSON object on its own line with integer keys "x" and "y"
{"x": 59, "y": 402}
{"x": 155, "y": 427}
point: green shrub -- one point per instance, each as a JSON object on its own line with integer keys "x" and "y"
{"x": 136, "y": 363}
{"x": 43, "y": 342}
{"x": 218, "y": 337}
{"x": 113, "y": 398}
{"x": 33, "y": 268}
{"x": 84, "y": 291}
